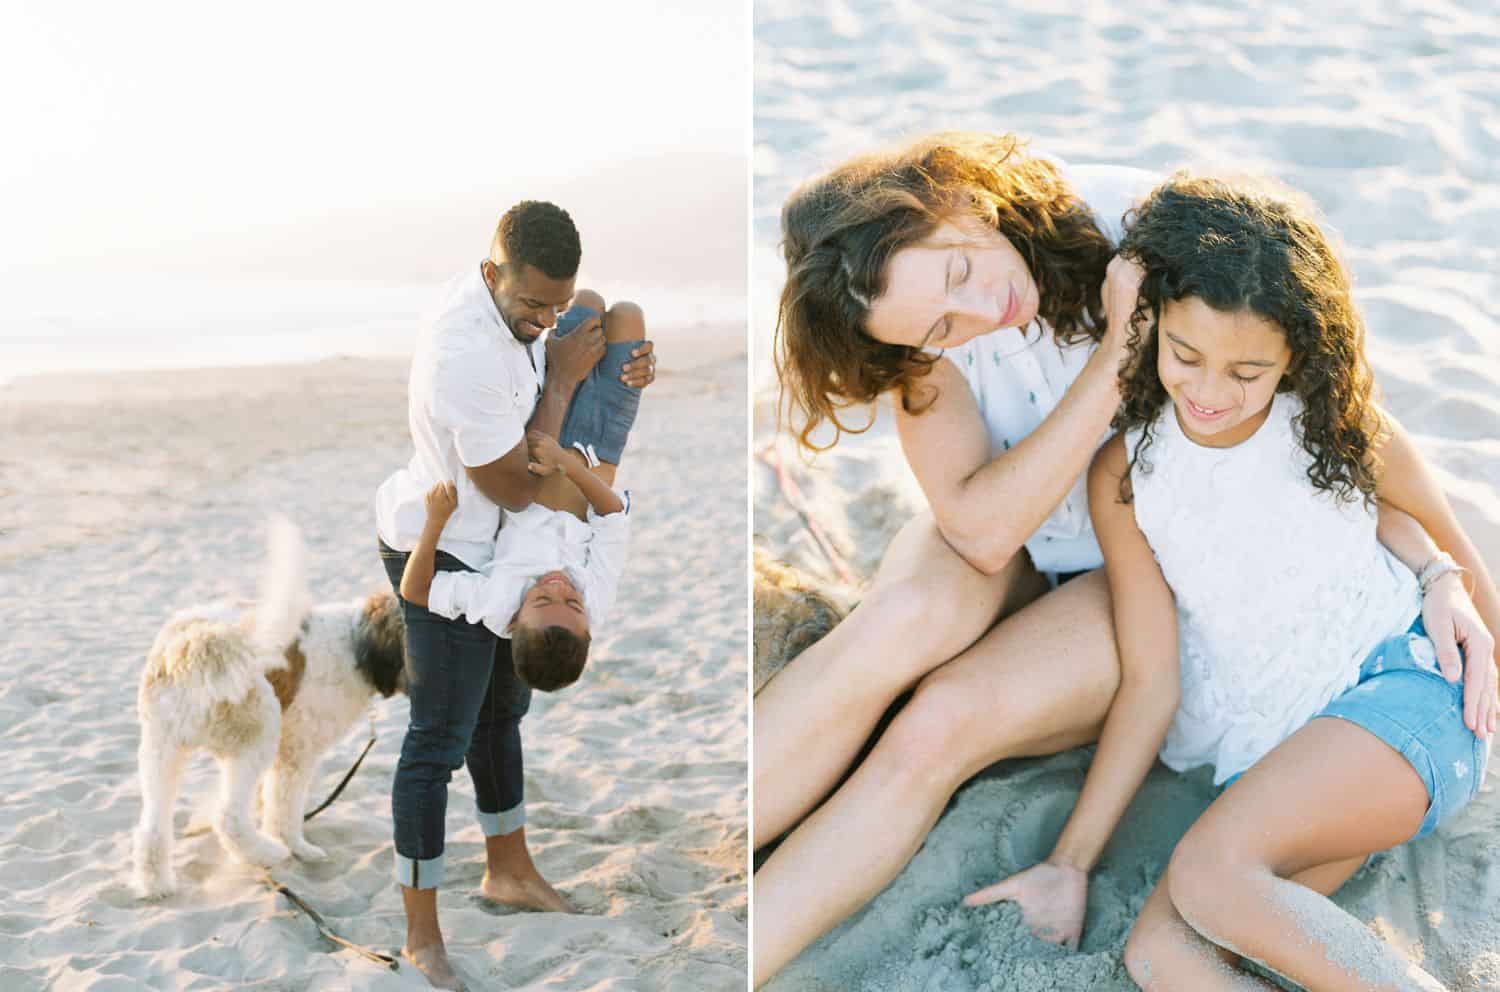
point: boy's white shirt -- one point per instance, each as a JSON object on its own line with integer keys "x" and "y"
{"x": 533, "y": 542}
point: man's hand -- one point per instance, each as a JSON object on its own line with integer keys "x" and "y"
{"x": 1452, "y": 621}
{"x": 640, "y": 371}
{"x": 572, "y": 356}
{"x": 441, "y": 500}
{"x": 1052, "y": 900}
{"x": 544, "y": 454}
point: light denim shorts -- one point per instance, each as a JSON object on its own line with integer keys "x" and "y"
{"x": 603, "y": 408}
{"x": 1403, "y": 699}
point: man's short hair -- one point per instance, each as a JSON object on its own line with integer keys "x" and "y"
{"x": 548, "y": 659}
{"x": 539, "y": 234}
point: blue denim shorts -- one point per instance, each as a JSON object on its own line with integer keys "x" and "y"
{"x": 1403, "y": 699}
{"x": 603, "y": 408}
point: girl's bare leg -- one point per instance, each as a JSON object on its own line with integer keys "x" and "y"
{"x": 1163, "y": 953}
{"x": 925, "y": 606}
{"x": 1041, "y": 681}
{"x": 1333, "y": 792}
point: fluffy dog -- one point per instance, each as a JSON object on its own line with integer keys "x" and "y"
{"x": 261, "y": 686}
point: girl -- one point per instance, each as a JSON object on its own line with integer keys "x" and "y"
{"x": 1004, "y": 260}
{"x": 1262, "y": 627}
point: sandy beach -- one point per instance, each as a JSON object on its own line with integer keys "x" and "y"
{"x": 1392, "y": 124}
{"x": 126, "y": 496}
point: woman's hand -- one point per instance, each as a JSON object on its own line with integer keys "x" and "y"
{"x": 1052, "y": 898}
{"x": 1120, "y": 294}
{"x": 1452, "y": 621}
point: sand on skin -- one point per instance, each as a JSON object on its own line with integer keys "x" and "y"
{"x": 126, "y": 496}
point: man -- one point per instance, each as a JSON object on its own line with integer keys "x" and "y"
{"x": 478, "y": 383}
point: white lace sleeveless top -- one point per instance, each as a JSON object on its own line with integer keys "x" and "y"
{"x": 1281, "y": 589}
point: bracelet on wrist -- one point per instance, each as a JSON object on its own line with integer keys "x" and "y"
{"x": 1437, "y": 566}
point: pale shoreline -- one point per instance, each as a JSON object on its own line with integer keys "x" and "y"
{"x": 128, "y": 495}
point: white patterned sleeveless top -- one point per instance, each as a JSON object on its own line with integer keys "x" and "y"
{"x": 1018, "y": 378}
{"x": 1282, "y": 589}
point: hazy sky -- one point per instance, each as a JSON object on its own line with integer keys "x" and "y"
{"x": 311, "y": 137}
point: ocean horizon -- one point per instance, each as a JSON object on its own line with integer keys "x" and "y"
{"x": 59, "y": 326}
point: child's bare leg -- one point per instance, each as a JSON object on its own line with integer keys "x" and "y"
{"x": 625, "y": 321}
{"x": 1330, "y": 794}
{"x": 1164, "y": 953}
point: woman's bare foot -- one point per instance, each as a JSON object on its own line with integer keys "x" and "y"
{"x": 531, "y": 892}
{"x": 432, "y": 961}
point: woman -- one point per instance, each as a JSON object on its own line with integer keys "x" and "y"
{"x": 1004, "y": 260}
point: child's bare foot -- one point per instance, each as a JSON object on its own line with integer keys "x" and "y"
{"x": 525, "y": 892}
{"x": 432, "y": 960}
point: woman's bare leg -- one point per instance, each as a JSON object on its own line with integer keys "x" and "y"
{"x": 1333, "y": 792}
{"x": 1041, "y": 681}
{"x": 925, "y": 606}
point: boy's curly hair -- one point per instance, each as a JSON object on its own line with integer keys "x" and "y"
{"x": 550, "y": 658}
{"x": 1247, "y": 244}
{"x": 840, "y": 230}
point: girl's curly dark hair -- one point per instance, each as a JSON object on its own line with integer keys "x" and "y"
{"x": 1248, "y": 245}
{"x": 840, "y": 230}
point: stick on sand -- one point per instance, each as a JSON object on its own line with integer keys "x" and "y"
{"x": 325, "y": 929}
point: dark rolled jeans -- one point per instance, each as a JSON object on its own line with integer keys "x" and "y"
{"x": 466, "y": 703}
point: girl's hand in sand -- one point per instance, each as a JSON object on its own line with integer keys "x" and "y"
{"x": 1452, "y": 621}
{"x": 544, "y": 452}
{"x": 1121, "y": 292}
{"x": 1052, "y": 900}
{"x": 441, "y": 500}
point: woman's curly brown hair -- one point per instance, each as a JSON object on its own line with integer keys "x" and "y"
{"x": 1248, "y": 245}
{"x": 840, "y": 230}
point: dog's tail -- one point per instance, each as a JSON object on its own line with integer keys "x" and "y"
{"x": 284, "y": 598}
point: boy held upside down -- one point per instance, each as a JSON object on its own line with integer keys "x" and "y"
{"x": 557, "y": 564}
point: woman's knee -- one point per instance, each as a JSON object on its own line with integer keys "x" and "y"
{"x": 625, "y": 321}
{"x": 926, "y": 741}
{"x": 929, "y": 614}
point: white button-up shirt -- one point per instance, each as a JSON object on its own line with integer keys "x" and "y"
{"x": 472, "y": 389}
{"x": 1018, "y": 379}
{"x": 532, "y": 543}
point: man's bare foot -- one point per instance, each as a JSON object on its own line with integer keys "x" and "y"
{"x": 529, "y": 892}
{"x": 432, "y": 961}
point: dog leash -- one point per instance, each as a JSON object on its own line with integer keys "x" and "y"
{"x": 323, "y": 927}
{"x": 348, "y": 775}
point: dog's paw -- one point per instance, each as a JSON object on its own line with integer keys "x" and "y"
{"x": 264, "y": 852}
{"x": 309, "y": 852}
{"x": 155, "y": 885}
